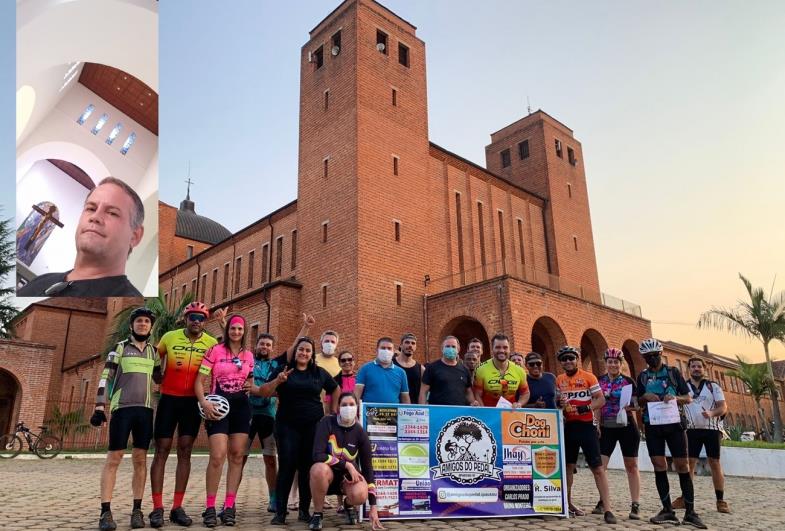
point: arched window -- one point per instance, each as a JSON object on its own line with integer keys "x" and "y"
{"x": 128, "y": 143}
{"x": 100, "y": 125}
{"x": 115, "y": 131}
{"x": 86, "y": 114}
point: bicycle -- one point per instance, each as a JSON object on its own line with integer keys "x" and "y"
{"x": 44, "y": 445}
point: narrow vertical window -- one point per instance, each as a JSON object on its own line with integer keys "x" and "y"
{"x": 294, "y": 250}
{"x": 481, "y": 229}
{"x": 571, "y": 156}
{"x": 238, "y": 267}
{"x": 324, "y": 295}
{"x": 335, "y": 49}
{"x": 265, "y": 262}
{"x": 166, "y": 300}
{"x": 225, "y": 291}
{"x": 128, "y": 143}
{"x": 324, "y": 232}
{"x": 398, "y": 294}
{"x": 558, "y": 148}
{"x": 254, "y": 334}
{"x": 214, "y": 287}
{"x": 523, "y": 150}
{"x": 317, "y": 57}
{"x": 326, "y": 99}
{"x": 203, "y": 287}
{"x": 403, "y": 54}
{"x": 575, "y": 242}
{"x": 251, "y": 260}
{"x": 189, "y": 251}
{"x": 395, "y": 165}
{"x": 505, "y": 155}
{"x": 115, "y": 131}
{"x": 569, "y": 190}
{"x": 459, "y": 225}
{"x": 86, "y": 114}
{"x": 174, "y": 296}
{"x": 381, "y": 41}
{"x": 326, "y": 167}
{"x": 397, "y": 230}
{"x": 183, "y": 291}
{"x": 278, "y": 256}
{"x": 100, "y": 124}
{"x": 520, "y": 240}
{"x": 501, "y": 235}
{"x": 395, "y": 97}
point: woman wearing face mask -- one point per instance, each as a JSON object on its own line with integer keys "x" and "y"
{"x": 446, "y": 381}
{"x": 229, "y": 368}
{"x": 340, "y": 446}
{"x": 299, "y": 386}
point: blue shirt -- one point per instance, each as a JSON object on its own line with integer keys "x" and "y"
{"x": 545, "y": 387}
{"x": 382, "y": 384}
{"x": 263, "y": 370}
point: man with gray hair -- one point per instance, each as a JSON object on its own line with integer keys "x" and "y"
{"x": 110, "y": 226}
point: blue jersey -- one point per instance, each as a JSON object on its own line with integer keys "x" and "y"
{"x": 263, "y": 372}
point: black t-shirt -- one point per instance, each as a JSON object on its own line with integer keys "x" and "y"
{"x": 299, "y": 397}
{"x": 118, "y": 286}
{"x": 448, "y": 383}
{"x": 413, "y": 378}
{"x": 543, "y": 387}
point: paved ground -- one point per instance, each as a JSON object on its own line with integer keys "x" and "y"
{"x": 63, "y": 494}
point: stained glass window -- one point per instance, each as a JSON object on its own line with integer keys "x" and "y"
{"x": 101, "y": 122}
{"x": 114, "y": 133}
{"x": 128, "y": 143}
{"x": 86, "y": 114}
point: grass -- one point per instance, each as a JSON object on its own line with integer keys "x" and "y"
{"x": 754, "y": 444}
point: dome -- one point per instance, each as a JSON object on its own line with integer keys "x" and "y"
{"x": 195, "y": 227}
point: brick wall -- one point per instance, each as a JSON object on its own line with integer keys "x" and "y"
{"x": 30, "y": 365}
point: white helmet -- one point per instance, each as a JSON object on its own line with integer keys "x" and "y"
{"x": 649, "y": 346}
{"x": 220, "y": 403}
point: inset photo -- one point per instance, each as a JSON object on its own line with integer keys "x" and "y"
{"x": 87, "y": 148}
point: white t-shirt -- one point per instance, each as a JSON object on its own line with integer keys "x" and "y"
{"x": 704, "y": 397}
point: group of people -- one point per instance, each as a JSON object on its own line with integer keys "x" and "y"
{"x": 303, "y": 407}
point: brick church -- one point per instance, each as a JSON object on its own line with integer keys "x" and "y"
{"x": 391, "y": 232}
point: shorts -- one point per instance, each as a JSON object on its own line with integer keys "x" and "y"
{"x": 697, "y": 439}
{"x": 627, "y": 436}
{"x": 336, "y": 485}
{"x": 581, "y": 435}
{"x": 181, "y": 412}
{"x": 125, "y": 421}
{"x": 672, "y": 434}
{"x": 237, "y": 421}
{"x": 262, "y": 425}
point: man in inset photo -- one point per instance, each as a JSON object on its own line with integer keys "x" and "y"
{"x": 110, "y": 226}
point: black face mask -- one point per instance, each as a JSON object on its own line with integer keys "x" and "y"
{"x": 140, "y": 337}
{"x": 653, "y": 360}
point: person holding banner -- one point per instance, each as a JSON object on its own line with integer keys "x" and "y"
{"x": 447, "y": 379}
{"x": 661, "y": 390}
{"x": 381, "y": 380}
{"x": 618, "y": 425}
{"x": 579, "y": 396}
{"x": 340, "y": 445}
{"x": 499, "y": 383}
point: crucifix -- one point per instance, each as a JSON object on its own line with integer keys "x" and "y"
{"x": 48, "y": 216}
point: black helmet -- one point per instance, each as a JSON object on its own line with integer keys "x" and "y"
{"x": 142, "y": 312}
{"x": 567, "y": 350}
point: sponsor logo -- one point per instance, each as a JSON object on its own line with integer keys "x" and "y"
{"x": 531, "y": 427}
{"x": 546, "y": 461}
{"x": 466, "y": 452}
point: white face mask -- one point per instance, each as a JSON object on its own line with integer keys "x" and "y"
{"x": 348, "y": 413}
{"x": 385, "y": 356}
{"x": 328, "y": 348}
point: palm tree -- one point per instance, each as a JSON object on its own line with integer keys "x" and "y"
{"x": 759, "y": 318}
{"x": 756, "y": 379}
{"x": 165, "y": 320}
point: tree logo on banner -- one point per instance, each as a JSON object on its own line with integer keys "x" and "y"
{"x": 466, "y": 452}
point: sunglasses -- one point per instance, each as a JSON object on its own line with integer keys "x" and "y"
{"x": 568, "y": 358}
{"x": 195, "y": 317}
{"x": 534, "y": 364}
{"x": 346, "y": 360}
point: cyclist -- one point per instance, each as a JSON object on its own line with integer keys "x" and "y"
{"x": 499, "y": 378}
{"x": 181, "y": 352}
{"x": 580, "y": 395}
{"x": 618, "y": 425}
{"x": 660, "y": 383}
{"x": 127, "y": 384}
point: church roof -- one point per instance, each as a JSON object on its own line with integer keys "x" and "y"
{"x": 195, "y": 227}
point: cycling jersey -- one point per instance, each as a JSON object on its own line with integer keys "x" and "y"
{"x": 611, "y": 388}
{"x": 229, "y": 371}
{"x": 183, "y": 359}
{"x": 127, "y": 378}
{"x": 577, "y": 389}
{"x": 493, "y": 384}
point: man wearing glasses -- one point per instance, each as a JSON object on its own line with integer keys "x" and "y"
{"x": 542, "y": 385}
{"x": 181, "y": 354}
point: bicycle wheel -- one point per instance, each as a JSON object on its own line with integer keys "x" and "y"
{"x": 48, "y": 446}
{"x": 10, "y": 446}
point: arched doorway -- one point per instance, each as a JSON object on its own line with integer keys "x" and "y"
{"x": 547, "y": 338}
{"x": 465, "y": 328}
{"x": 593, "y": 347}
{"x": 630, "y": 349}
{"x": 9, "y": 400}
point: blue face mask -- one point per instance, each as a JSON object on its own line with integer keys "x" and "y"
{"x": 450, "y": 352}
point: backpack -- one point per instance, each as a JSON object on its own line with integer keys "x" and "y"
{"x": 710, "y": 385}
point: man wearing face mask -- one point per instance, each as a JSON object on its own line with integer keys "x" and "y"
{"x": 413, "y": 369}
{"x": 326, "y": 358}
{"x": 447, "y": 379}
{"x": 381, "y": 380}
{"x": 660, "y": 383}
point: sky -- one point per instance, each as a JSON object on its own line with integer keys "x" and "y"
{"x": 678, "y": 105}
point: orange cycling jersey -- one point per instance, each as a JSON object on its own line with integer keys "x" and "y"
{"x": 183, "y": 359}
{"x": 577, "y": 389}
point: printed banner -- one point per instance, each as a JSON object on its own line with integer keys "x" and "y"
{"x": 464, "y": 462}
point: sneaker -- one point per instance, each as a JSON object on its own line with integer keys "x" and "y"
{"x": 137, "y": 519}
{"x": 351, "y": 514}
{"x": 316, "y": 522}
{"x": 229, "y": 516}
{"x": 304, "y": 516}
{"x": 271, "y": 507}
{"x": 178, "y": 516}
{"x": 723, "y": 507}
{"x": 106, "y": 522}
{"x": 694, "y": 520}
{"x": 664, "y": 517}
{"x": 209, "y": 518}
{"x": 610, "y": 518}
{"x": 635, "y": 511}
{"x": 157, "y": 517}
{"x": 678, "y": 503}
{"x": 598, "y": 508}
{"x": 278, "y": 519}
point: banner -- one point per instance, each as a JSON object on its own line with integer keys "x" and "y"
{"x": 464, "y": 462}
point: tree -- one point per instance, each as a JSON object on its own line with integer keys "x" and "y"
{"x": 760, "y": 318}
{"x": 757, "y": 381}
{"x": 7, "y": 309}
{"x": 165, "y": 320}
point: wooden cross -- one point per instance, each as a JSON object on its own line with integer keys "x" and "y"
{"x": 48, "y": 216}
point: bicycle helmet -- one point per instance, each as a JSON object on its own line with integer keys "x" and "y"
{"x": 650, "y": 346}
{"x": 566, "y": 349}
{"x": 614, "y": 353}
{"x": 142, "y": 312}
{"x": 197, "y": 307}
{"x": 221, "y": 406}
